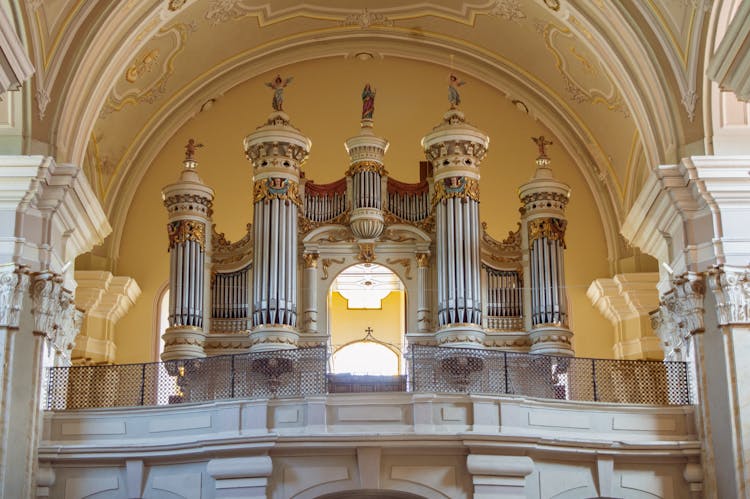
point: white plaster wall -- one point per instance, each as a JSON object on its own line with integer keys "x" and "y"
{"x": 415, "y": 443}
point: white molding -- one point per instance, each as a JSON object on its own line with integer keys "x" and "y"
{"x": 15, "y": 66}
{"x": 52, "y": 214}
{"x": 730, "y": 64}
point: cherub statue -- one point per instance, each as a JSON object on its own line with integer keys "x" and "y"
{"x": 278, "y": 85}
{"x": 453, "y": 96}
{"x": 190, "y": 149}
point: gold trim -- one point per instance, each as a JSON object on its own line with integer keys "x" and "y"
{"x": 552, "y": 229}
{"x": 311, "y": 260}
{"x": 277, "y": 188}
{"x": 456, "y": 187}
{"x": 366, "y": 166}
{"x": 423, "y": 260}
{"x": 181, "y": 231}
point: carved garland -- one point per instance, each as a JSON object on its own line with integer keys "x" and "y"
{"x": 366, "y": 166}
{"x": 186, "y": 230}
{"x": 277, "y": 188}
{"x": 552, "y": 229}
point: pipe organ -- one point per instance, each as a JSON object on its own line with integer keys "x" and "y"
{"x": 268, "y": 290}
{"x": 188, "y": 202}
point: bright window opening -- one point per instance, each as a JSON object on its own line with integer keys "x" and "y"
{"x": 366, "y": 357}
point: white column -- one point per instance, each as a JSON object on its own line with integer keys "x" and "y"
{"x": 423, "y": 307}
{"x": 50, "y": 216}
{"x": 693, "y": 218}
{"x": 310, "y": 296}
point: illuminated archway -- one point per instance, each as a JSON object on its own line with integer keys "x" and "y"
{"x": 366, "y": 304}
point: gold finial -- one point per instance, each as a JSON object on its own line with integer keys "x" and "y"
{"x": 542, "y": 144}
{"x": 190, "y": 148}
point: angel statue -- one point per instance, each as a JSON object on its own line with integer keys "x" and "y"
{"x": 541, "y": 144}
{"x": 278, "y": 85}
{"x": 368, "y": 102}
{"x": 453, "y": 96}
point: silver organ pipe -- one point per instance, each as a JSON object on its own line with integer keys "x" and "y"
{"x": 459, "y": 285}
{"x": 548, "y": 301}
{"x": 505, "y": 298}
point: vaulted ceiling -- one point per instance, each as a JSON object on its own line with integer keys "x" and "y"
{"x": 619, "y": 83}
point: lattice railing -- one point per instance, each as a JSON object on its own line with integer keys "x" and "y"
{"x": 463, "y": 370}
{"x": 279, "y": 373}
{"x": 302, "y": 372}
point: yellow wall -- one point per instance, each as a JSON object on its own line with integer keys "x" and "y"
{"x": 348, "y": 325}
{"x": 324, "y": 102}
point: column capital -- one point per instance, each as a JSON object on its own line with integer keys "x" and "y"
{"x": 680, "y": 315}
{"x": 731, "y": 287}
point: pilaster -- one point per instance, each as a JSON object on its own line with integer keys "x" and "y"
{"x": 626, "y": 300}
{"x": 104, "y": 298}
{"x": 49, "y": 215}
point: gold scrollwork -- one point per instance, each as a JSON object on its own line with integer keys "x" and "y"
{"x": 456, "y": 187}
{"x": 327, "y": 262}
{"x": 404, "y": 262}
{"x": 552, "y": 229}
{"x": 277, "y": 188}
{"x": 186, "y": 230}
{"x": 366, "y": 166}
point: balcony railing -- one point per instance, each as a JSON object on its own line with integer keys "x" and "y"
{"x": 303, "y": 372}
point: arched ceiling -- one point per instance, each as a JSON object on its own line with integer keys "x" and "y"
{"x": 617, "y": 82}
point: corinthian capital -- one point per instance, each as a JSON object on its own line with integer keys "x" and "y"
{"x": 731, "y": 287}
{"x": 680, "y": 315}
{"x": 14, "y": 282}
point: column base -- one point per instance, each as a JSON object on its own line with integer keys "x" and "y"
{"x": 183, "y": 342}
{"x": 273, "y": 337}
{"x": 550, "y": 339}
{"x": 460, "y": 336}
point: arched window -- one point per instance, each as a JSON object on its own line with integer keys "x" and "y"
{"x": 162, "y": 321}
{"x": 366, "y": 357}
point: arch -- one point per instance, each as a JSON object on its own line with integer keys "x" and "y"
{"x": 160, "y": 318}
{"x": 553, "y": 110}
{"x": 370, "y": 493}
{"x": 368, "y": 337}
{"x": 365, "y": 355}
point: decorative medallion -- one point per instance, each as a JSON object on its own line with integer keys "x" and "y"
{"x": 277, "y": 188}
{"x": 456, "y": 187}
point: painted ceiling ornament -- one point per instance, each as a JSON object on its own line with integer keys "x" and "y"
{"x": 365, "y": 19}
{"x": 542, "y": 144}
{"x": 368, "y": 102}
{"x": 508, "y": 10}
{"x": 278, "y": 85}
{"x": 176, "y": 4}
{"x": 553, "y": 4}
{"x": 453, "y": 96}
